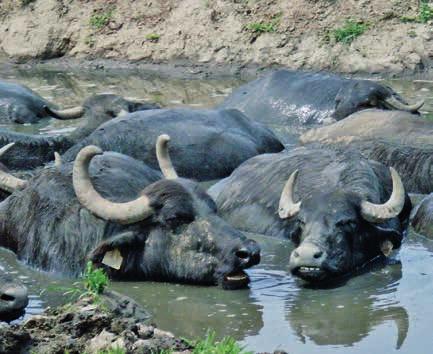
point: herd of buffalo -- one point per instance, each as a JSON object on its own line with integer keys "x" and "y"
{"x": 124, "y": 191}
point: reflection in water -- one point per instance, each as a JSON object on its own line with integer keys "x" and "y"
{"x": 383, "y": 309}
{"x": 344, "y": 316}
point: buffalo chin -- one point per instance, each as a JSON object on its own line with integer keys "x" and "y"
{"x": 235, "y": 280}
{"x": 311, "y": 274}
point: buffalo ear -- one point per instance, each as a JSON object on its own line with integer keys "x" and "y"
{"x": 388, "y": 238}
{"x": 109, "y": 251}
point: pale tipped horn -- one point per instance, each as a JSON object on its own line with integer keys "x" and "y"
{"x": 163, "y": 157}
{"x": 287, "y": 207}
{"x": 393, "y": 103}
{"x": 57, "y": 160}
{"x": 377, "y": 213}
{"x": 9, "y": 182}
{"x": 64, "y": 114}
{"x": 124, "y": 213}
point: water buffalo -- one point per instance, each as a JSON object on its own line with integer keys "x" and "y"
{"x": 302, "y": 98}
{"x": 31, "y": 151}
{"x": 119, "y": 214}
{"x": 13, "y": 298}
{"x": 397, "y": 139}
{"x": 19, "y": 104}
{"x": 207, "y": 144}
{"x": 341, "y": 211}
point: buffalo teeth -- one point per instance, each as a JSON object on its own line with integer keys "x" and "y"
{"x": 309, "y": 269}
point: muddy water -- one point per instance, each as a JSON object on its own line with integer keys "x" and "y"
{"x": 387, "y": 308}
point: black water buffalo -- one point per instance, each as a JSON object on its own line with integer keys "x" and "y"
{"x": 303, "y": 98}
{"x": 422, "y": 217}
{"x": 19, "y": 104}
{"x": 397, "y": 139}
{"x": 207, "y": 144}
{"x": 121, "y": 215}
{"x": 31, "y": 151}
{"x": 341, "y": 210}
{"x": 13, "y": 298}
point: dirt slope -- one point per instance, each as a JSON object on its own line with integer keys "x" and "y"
{"x": 296, "y": 33}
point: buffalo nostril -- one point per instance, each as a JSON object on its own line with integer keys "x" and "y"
{"x": 242, "y": 254}
{"x": 295, "y": 253}
{"x": 318, "y": 254}
{"x": 6, "y": 297}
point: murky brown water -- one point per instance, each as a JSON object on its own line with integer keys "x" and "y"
{"x": 387, "y": 307}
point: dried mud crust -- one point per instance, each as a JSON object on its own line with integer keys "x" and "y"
{"x": 295, "y": 33}
{"x": 86, "y": 326}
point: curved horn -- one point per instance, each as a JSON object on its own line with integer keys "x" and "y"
{"x": 57, "y": 160}
{"x": 9, "y": 182}
{"x": 288, "y": 207}
{"x": 124, "y": 213}
{"x": 64, "y": 114}
{"x": 377, "y": 213}
{"x": 163, "y": 157}
{"x": 392, "y": 102}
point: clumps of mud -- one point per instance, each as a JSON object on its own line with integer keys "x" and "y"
{"x": 86, "y": 326}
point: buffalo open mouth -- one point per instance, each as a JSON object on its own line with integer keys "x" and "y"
{"x": 235, "y": 280}
{"x": 309, "y": 273}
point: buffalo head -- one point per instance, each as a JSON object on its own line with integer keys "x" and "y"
{"x": 362, "y": 94}
{"x": 337, "y": 231}
{"x": 171, "y": 232}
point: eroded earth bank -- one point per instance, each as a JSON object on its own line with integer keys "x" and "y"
{"x": 389, "y": 36}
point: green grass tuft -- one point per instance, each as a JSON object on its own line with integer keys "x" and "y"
{"x": 100, "y": 20}
{"x": 95, "y": 280}
{"x": 349, "y": 31}
{"x": 154, "y": 37}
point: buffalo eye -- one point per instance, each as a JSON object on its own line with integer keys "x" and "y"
{"x": 111, "y": 113}
{"x": 297, "y": 233}
{"x": 346, "y": 224}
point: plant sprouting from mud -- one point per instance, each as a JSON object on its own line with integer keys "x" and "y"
{"x": 349, "y": 31}
{"x": 95, "y": 280}
{"x": 100, "y": 20}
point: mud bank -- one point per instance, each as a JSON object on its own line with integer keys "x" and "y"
{"x": 296, "y": 34}
{"x": 85, "y": 326}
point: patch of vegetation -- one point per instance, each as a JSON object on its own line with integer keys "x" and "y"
{"x": 349, "y": 31}
{"x": 210, "y": 345}
{"x": 93, "y": 283}
{"x": 153, "y": 37}
{"x": 411, "y": 34}
{"x": 425, "y": 14}
{"x": 95, "y": 280}
{"x": 100, "y": 20}
{"x": 263, "y": 27}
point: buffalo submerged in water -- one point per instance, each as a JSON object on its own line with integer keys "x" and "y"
{"x": 340, "y": 209}
{"x": 395, "y": 138}
{"x": 299, "y": 98}
{"x": 207, "y": 143}
{"x": 13, "y": 297}
{"x": 31, "y": 151}
{"x": 122, "y": 215}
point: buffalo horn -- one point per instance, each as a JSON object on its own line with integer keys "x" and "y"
{"x": 288, "y": 207}
{"x": 377, "y": 213}
{"x": 9, "y": 182}
{"x": 163, "y": 157}
{"x": 392, "y": 102}
{"x": 124, "y": 213}
{"x": 64, "y": 114}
